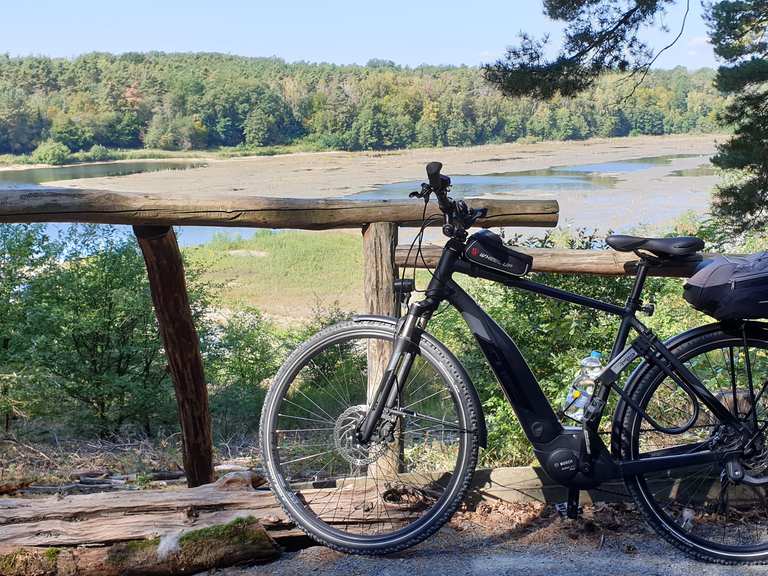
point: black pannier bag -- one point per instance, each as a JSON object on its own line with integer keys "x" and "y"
{"x": 731, "y": 287}
{"x": 487, "y": 249}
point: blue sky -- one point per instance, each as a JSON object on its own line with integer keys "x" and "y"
{"x": 343, "y": 31}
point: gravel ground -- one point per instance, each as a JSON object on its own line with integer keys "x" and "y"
{"x": 604, "y": 542}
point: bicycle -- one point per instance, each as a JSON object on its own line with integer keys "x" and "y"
{"x": 371, "y": 429}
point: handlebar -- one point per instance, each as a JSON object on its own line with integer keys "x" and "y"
{"x": 458, "y": 216}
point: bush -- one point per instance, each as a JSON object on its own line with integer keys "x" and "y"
{"x": 50, "y": 152}
{"x": 241, "y": 362}
{"x": 97, "y": 153}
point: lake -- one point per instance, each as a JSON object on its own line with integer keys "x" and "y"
{"x": 532, "y": 183}
{"x": 646, "y": 192}
{"x": 95, "y": 170}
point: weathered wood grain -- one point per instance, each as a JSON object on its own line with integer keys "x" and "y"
{"x": 48, "y": 204}
{"x": 565, "y": 261}
{"x": 379, "y": 273}
{"x": 182, "y": 347}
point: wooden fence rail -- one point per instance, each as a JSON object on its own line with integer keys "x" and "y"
{"x": 50, "y": 204}
{"x": 565, "y": 261}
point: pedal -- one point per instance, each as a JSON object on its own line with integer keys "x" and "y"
{"x": 570, "y": 508}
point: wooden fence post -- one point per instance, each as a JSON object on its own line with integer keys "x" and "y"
{"x": 182, "y": 347}
{"x": 379, "y": 274}
{"x": 379, "y": 268}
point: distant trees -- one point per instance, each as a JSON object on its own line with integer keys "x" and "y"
{"x": 604, "y": 35}
{"x": 193, "y": 101}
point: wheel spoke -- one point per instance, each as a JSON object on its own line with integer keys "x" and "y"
{"x": 700, "y": 502}
{"x": 374, "y": 489}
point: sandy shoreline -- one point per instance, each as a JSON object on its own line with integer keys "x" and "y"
{"x": 328, "y": 174}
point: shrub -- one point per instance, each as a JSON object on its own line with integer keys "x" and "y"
{"x": 98, "y": 153}
{"x": 50, "y": 152}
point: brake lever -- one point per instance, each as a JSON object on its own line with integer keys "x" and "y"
{"x": 475, "y": 214}
{"x": 426, "y": 190}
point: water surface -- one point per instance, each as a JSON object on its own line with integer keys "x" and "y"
{"x": 95, "y": 170}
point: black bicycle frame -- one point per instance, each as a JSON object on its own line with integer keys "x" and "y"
{"x": 521, "y": 388}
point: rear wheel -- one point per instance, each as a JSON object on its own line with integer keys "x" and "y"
{"x": 404, "y": 484}
{"x": 698, "y": 508}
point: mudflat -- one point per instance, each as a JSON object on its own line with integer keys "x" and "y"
{"x": 330, "y": 174}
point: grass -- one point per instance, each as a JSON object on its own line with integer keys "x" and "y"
{"x": 154, "y": 153}
{"x": 286, "y": 274}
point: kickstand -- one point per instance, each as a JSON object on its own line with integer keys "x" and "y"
{"x": 570, "y": 508}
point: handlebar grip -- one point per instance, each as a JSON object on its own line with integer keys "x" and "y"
{"x": 433, "y": 174}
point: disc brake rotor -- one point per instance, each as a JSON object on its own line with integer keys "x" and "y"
{"x": 346, "y": 442}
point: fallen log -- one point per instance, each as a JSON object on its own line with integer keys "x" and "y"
{"x": 161, "y": 532}
{"x": 566, "y": 261}
{"x": 243, "y": 541}
{"x": 167, "y": 532}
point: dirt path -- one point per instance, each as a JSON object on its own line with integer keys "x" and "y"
{"x": 551, "y": 546}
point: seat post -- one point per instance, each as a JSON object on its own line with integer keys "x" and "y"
{"x": 633, "y": 301}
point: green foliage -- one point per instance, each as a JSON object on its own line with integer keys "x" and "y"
{"x": 22, "y": 124}
{"x": 97, "y": 153}
{"x": 50, "y": 152}
{"x": 738, "y": 31}
{"x": 99, "y": 304}
{"x": 170, "y": 132}
{"x": 240, "y": 363}
{"x": 71, "y": 132}
{"x": 25, "y": 253}
{"x": 599, "y": 35}
{"x": 195, "y": 101}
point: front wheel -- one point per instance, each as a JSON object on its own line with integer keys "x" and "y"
{"x": 700, "y": 509}
{"x": 408, "y": 480}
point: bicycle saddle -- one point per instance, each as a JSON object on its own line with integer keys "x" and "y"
{"x": 659, "y": 247}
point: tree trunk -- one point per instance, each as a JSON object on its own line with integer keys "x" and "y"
{"x": 5, "y": 393}
{"x": 182, "y": 347}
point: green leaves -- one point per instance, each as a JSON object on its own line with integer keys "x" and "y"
{"x": 195, "y": 101}
{"x": 599, "y": 36}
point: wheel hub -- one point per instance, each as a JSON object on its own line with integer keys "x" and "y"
{"x": 345, "y": 438}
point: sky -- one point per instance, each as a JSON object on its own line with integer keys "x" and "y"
{"x": 409, "y": 32}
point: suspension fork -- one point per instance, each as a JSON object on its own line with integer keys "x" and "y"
{"x": 404, "y": 350}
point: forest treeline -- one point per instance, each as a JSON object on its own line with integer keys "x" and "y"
{"x": 198, "y": 101}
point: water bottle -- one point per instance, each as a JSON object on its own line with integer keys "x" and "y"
{"x": 582, "y": 387}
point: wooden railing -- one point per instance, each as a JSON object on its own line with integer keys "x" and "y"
{"x": 153, "y": 216}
